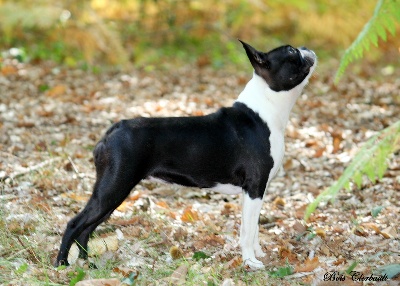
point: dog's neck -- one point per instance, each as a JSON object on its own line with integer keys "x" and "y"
{"x": 273, "y": 107}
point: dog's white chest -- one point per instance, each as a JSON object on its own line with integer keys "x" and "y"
{"x": 277, "y": 141}
{"x": 274, "y": 109}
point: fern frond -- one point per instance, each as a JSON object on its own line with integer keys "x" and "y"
{"x": 370, "y": 161}
{"x": 386, "y": 13}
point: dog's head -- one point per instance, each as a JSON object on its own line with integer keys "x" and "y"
{"x": 282, "y": 68}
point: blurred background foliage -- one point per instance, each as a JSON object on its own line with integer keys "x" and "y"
{"x": 152, "y": 32}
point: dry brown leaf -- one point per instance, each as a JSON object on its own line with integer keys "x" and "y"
{"x": 190, "y": 215}
{"x": 340, "y": 261}
{"x": 359, "y": 230}
{"x": 279, "y": 202}
{"x": 308, "y": 265}
{"x": 372, "y": 226}
{"x": 229, "y": 208}
{"x": 124, "y": 271}
{"x": 234, "y": 263}
{"x": 299, "y": 227}
{"x": 336, "y": 144}
{"x": 124, "y": 206}
{"x": 25, "y": 124}
{"x": 172, "y": 215}
{"x": 98, "y": 245}
{"x": 389, "y": 232}
{"x": 286, "y": 253}
{"x": 9, "y": 70}
{"x": 320, "y": 232}
{"x": 57, "y": 90}
{"x": 124, "y": 222}
{"x": 319, "y": 152}
{"x": 178, "y": 277}
{"x": 311, "y": 143}
{"x": 76, "y": 197}
{"x": 198, "y": 113}
{"x": 162, "y": 204}
{"x": 214, "y": 240}
{"x": 135, "y": 196}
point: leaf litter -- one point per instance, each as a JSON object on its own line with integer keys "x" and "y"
{"x": 171, "y": 234}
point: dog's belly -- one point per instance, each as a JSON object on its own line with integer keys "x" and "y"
{"x": 226, "y": 189}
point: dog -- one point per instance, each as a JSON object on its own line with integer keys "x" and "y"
{"x": 237, "y": 149}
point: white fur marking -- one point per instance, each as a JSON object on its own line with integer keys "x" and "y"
{"x": 248, "y": 232}
{"x": 274, "y": 108}
{"x": 156, "y": 180}
{"x": 227, "y": 189}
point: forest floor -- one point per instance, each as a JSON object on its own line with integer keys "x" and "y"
{"x": 51, "y": 118}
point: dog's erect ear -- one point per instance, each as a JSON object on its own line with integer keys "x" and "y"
{"x": 258, "y": 59}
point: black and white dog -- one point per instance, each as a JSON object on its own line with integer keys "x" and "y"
{"x": 235, "y": 150}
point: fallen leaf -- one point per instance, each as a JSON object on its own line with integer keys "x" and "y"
{"x": 124, "y": 206}
{"x": 299, "y": 227}
{"x": 339, "y": 261}
{"x": 124, "y": 271}
{"x": 308, "y": 265}
{"x": 372, "y": 226}
{"x": 178, "y": 277}
{"x": 76, "y": 197}
{"x": 285, "y": 253}
{"x": 279, "y": 202}
{"x": 319, "y": 152}
{"x": 57, "y": 90}
{"x": 389, "y": 232}
{"x": 337, "y": 140}
{"x": 162, "y": 204}
{"x": 9, "y": 70}
{"x": 214, "y": 240}
{"x": 98, "y": 245}
{"x": 190, "y": 215}
{"x": 234, "y": 263}
{"x": 320, "y": 232}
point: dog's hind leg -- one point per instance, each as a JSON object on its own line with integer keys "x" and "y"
{"x": 248, "y": 236}
{"x": 108, "y": 195}
{"x": 116, "y": 176}
{"x": 82, "y": 240}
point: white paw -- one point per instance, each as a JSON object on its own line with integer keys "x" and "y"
{"x": 253, "y": 264}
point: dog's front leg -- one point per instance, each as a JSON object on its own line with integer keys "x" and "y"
{"x": 257, "y": 247}
{"x": 248, "y": 232}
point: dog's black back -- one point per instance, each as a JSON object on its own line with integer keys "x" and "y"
{"x": 203, "y": 162}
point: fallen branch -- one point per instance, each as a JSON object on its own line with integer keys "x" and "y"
{"x": 28, "y": 170}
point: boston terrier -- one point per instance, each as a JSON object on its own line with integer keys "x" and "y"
{"x": 235, "y": 150}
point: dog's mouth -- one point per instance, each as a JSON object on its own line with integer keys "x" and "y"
{"x": 308, "y": 58}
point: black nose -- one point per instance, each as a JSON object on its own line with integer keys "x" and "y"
{"x": 303, "y": 48}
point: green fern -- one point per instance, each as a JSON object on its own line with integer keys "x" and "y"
{"x": 370, "y": 161}
{"x": 386, "y": 13}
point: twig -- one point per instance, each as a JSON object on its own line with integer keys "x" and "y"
{"x": 75, "y": 168}
{"x": 32, "y": 254}
{"x": 28, "y": 170}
